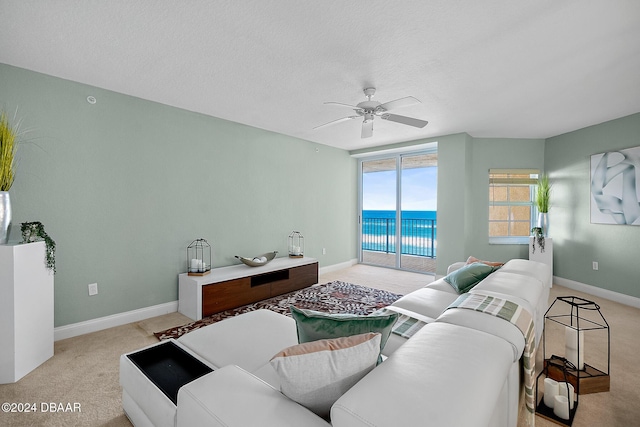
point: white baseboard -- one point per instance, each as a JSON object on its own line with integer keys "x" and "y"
{"x": 94, "y": 325}
{"x": 599, "y": 292}
{"x": 336, "y": 267}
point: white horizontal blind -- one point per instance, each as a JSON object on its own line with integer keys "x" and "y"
{"x": 511, "y": 209}
{"x": 513, "y": 176}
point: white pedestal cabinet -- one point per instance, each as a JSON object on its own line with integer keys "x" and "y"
{"x": 545, "y": 257}
{"x": 26, "y": 310}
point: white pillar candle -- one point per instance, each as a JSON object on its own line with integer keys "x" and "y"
{"x": 550, "y": 392}
{"x": 566, "y": 390}
{"x": 561, "y": 407}
{"x": 194, "y": 264}
{"x": 574, "y": 347}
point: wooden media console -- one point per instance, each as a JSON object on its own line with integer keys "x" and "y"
{"x": 237, "y": 285}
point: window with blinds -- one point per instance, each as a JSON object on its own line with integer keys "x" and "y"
{"x": 511, "y": 204}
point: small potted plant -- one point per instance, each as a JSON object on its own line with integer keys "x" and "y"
{"x": 538, "y": 238}
{"x": 34, "y": 232}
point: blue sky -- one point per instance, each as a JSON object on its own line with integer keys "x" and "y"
{"x": 418, "y": 190}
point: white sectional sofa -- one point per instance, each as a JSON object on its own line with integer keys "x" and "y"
{"x": 460, "y": 369}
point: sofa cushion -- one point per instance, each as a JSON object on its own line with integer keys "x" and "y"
{"x": 315, "y": 374}
{"x": 444, "y": 376}
{"x": 529, "y": 268}
{"x": 467, "y": 277}
{"x": 524, "y": 287}
{"x": 315, "y": 325}
{"x": 231, "y": 396}
{"x": 442, "y": 286}
{"x": 426, "y": 302}
{"x": 223, "y": 343}
{"x": 490, "y": 324}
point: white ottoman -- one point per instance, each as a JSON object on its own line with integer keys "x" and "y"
{"x": 143, "y": 402}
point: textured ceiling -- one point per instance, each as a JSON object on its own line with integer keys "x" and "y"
{"x": 492, "y": 68}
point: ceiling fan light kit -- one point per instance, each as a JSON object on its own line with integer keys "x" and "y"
{"x": 370, "y": 109}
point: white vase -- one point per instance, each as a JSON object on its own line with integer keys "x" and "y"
{"x": 5, "y": 216}
{"x": 543, "y": 223}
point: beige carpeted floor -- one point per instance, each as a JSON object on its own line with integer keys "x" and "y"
{"x": 84, "y": 369}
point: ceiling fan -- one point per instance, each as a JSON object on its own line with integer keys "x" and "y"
{"x": 370, "y": 109}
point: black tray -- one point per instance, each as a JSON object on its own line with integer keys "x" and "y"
{"x": 169, "y": 367}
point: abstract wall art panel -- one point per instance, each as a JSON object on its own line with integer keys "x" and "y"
{"x": 615, "y": 187}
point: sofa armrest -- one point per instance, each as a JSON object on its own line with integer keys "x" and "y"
{"x": 232, "y": 397}
{"x": 455, "y": 266}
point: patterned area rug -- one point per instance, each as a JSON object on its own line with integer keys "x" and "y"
{"x": 333, "y": 297}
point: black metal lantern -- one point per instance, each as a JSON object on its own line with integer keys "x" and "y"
{"x": 296, "y": 245}
{"x": 198, "y": 258}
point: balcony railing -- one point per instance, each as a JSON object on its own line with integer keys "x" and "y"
{"x": 418, "y": 236}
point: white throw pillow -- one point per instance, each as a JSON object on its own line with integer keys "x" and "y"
{"x": 315, "y": 374}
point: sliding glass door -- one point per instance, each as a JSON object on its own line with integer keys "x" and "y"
{"x": 378, "y": 215}
{"x": 398, "y": 211}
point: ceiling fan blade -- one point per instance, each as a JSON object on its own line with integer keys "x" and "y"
{"x": 367, "y": 129}
{"x": 405, "y": 120}
{"x": 355, "y": 107}
{"x": 398, "y": 103}
{"x": 337, "y": 121}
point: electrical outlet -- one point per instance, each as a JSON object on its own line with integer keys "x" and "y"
{"x": 93, "y": 289}
{"x": 324, "y": 251}
{"x": 595, "y": 265}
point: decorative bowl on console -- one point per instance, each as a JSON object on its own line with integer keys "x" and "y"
{"x": 259, "y": 260}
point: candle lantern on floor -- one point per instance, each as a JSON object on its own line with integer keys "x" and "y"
{"x": 568, "y": 377}
{"x": 296, "y": 245}
{"x": 198, "y": 258}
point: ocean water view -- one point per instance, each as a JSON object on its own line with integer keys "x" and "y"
{"x": 418, "y": 232}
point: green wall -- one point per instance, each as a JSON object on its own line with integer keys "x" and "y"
{"x": 577, "y": 242}
{"x": 123, "y": 186}
{"x": 452, "y": 204}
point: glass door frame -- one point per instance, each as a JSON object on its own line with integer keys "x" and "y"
{"x": 398, "y": 155}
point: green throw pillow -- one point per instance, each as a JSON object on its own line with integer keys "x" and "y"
{"x": 464, "y": 279}
{"x": 315, "y": 325}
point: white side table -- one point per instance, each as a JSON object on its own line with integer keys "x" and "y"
{"x": 545, "y": 257}
{"x": 26, "y": 310}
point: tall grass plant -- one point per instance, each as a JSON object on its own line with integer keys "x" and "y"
{"x": 8, "y": 148}
{"x": 543, "y": 192}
